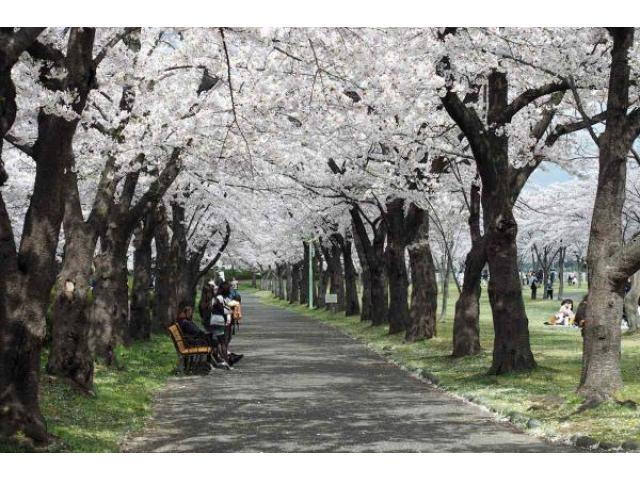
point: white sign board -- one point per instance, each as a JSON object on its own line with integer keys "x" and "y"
{"x": 331, "y": 298}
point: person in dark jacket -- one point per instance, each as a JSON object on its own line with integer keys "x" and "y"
{"x": 195, "y": 337}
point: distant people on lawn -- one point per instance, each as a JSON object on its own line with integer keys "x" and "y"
{"x": 534, "y": 286}
{"x": 548, "y": 288}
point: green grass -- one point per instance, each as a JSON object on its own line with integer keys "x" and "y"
{"x": 122, "y": 403}
{"x": 546, "y": 394}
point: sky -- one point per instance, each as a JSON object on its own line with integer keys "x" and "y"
{"x": 548, "y": 173}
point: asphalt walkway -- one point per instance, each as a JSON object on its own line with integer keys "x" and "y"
{"x": 305, "y": 387}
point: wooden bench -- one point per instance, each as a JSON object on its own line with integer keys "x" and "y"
{"x": 190, "y": 359}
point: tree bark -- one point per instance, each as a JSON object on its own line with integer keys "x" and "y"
{"x": 280, "y": 271}
{"x": 110, "y": 314}
{"x": 304, "y": 287}
{"x": 601, "y": 376}
{"x": 295, "y": 283}
{"x": 445, "y": 287}
{"x": 373, "y": 259}
{"x": 28, "y": 274}
{"x": 352, "y": 306}
{"x": 466, "y": 321}
{"x": 396, "y": 267}
{"x": 424, "y": 294}
{"x": 365, "y": 276}
{"x": 140, "y": 322}
{"x": 323, "y": 277}
{"x": 164, "y": 307}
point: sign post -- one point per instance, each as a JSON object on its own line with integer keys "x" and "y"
{"x": 331, "y": 299}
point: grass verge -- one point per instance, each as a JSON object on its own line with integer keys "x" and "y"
{"x": 122, "y": 403}
{"x": 542, "y": 402}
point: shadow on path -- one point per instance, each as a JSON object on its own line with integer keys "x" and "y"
{"x": 305, "y": 387}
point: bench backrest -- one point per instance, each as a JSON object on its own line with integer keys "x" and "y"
{"x": 176, "y": 336}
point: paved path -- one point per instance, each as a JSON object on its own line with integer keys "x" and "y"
{"x": 304, "y": 386}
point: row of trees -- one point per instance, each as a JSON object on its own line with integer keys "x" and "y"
{"x": 113, "y": 122}
{"x": 394, "y": 152}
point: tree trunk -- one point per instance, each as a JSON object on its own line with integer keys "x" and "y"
{"x": 164, "y": 307}
{"x": 511, "y": 347}
{"x": 365, "y": 276}
{"x": 424, "y": 294}
{"x": 281, "y": 271}
{"x": 352, "y": 306}
{"x": 466, "y": 321}
{"x": 631, "y": 300}
{"x": 110, "y": 314}
{"x": 336, "y": 274}
{"x": 563, "y": 251}
{"x": 69, "y": 355}
{"x": 27, "y": 279}
{"x": 304, "y": 287}
{"x": 254, "y": 283}
{"x": 28, "y": 274}
{"x": 140, "y": 322}
{"x": 396, "y": 268}
{"x": 323, "y": 278}
{"x": 445, "y": 288}
{"x": 295, "y": 283}
{"x": 601, "y": 376}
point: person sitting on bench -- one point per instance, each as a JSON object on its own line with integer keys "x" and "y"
{"x": 195, "y": 337}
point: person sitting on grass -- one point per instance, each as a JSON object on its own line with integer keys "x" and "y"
{"x": 565, "y": 315}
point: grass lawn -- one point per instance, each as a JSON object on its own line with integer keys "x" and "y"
{"x": 122, "y": 403}
{"x": 543, "y": 402}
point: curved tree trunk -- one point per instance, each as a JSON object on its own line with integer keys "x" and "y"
{"x": 601, "y": 376}
{"x": 424, "y": 293}
{"x": 466, "y": 321}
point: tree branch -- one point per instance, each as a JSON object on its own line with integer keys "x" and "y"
{"x": 21, "y": 145}
{"x": 529, "y": 96}
{"x": 159, "y": 187}
{"x": 221, "y": 249}
{"x": 229, "y": 82}
{"x": 113, "y": 41}
{"x": 561, "y": 130}
{"x": 12, "y": 45}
